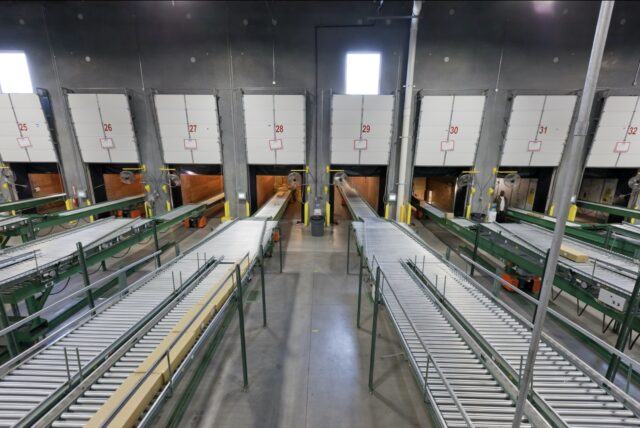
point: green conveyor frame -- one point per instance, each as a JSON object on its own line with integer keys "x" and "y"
{"x": 25, "y": 204}
{"x": 609, "y": 209}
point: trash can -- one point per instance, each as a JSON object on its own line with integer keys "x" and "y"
{"x": 317, "y": 225}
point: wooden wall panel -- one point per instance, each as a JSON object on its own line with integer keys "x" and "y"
{"x": 196, "y": 188}
{"x": 116, "y": 189}
{"x": 44, "y": 184}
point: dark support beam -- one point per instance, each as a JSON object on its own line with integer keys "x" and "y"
{"x": 85, "y": 273}
{"x": 374, "y": 329}
{"x": 243, "y": 345}
{"x": 625, "y": 330}
{"x": 264, "y": 296}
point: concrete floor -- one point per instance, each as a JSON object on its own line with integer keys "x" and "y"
{"x": 309, "y": 366}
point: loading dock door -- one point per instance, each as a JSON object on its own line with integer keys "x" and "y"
{"x": 449, "y": 130}
{"x": 538, "y": 130}
{"x": 617, "y": 140}
{"x": 189, "y": 130}
{"x": 275, "y": 127}
{"x": 103, "y": 128}
{"x": 24, "y": 132}
{"x": 361, "y": 129}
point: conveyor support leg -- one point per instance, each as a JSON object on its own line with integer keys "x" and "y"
{"x": 264, "y": 297}
{"x": 360, "y": 288}
{"x": 625, "y": 330}
{"x": 374, "y": 329}
{"x": 85, "y": 274}
{"x": 348, "y": 245}
{"x": 243, "y": 346}
{"x": 11, "y": 339}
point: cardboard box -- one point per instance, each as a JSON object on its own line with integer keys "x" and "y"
{"x": 573, "y": 254}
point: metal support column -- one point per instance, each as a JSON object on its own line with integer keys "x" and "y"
{"x": 374, "y": 329}
{"x": 85, "y": 274}
{"x": 156, "y": 242}
{"x": 243, "y": 345}
{"x": 566, "y": 183}
{"x": 360, "y": 287}
{"x": 625, "y": 330}
{"x": 475, "y": 249}
{"x": 264, "y": 296}
{"x": 280, "y": 246}
{"x": 348, "y": 245}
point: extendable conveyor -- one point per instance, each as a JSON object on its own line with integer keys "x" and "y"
{"x": 44, "y": 376}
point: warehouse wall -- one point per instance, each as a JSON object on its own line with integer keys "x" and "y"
{"x": 228, "y": 47}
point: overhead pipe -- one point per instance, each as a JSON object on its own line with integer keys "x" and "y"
{"x": 566, "y": 184}
{"x": 407, "y": 111}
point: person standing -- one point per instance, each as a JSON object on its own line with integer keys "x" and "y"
{"x": 501, "y": 205}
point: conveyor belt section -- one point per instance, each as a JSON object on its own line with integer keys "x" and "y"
{"x": 275, "y": 207}
{"x": 46, "y": 257}
{"x": 39, "y": 379}
{"x": 25, "y": 204}
{"x": 424, "y": 329}
{"x": 566, "y": 389}
{"x": 613, "y": 271}
{"x": 357, "y": 206}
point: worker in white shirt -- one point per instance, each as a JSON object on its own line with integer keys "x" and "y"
{"x": 501, "y": 203}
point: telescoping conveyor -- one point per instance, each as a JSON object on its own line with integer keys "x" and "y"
{"x": 447, "y": 341}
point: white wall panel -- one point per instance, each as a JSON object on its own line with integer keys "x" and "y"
{"x": 275, "y": 129}
{"x": 359, "y": 118}
{"x": 538, "y": 130}
{"x": 189, "y": 128}
{"x": 103, "y": 128}
{"x": 24, "y": 132}
{"x": 617, "y": 139}
{"x": 449, "y": 130}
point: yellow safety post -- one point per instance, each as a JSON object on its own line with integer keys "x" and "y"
{"x": 327, "y": 208}
{"x": 401, "y": 212}
{"x": 467, "y": 214}
{"x": 408, "y": 213}
{"x": 90, "y": 217}
{"x": 551, "y": 209}
{"x": 306, "y": 213}
{"x": 13, "y": 212}
{"x": 633, "y": 220}
{"x": 247, "y": 208}
{"x": 573, "y": 210}
{"x": 386, "y": 211}
{"x": 227, "y": 212}
{"x": 491, "y": 191}
{"x": 5, "y": 186}
{"x": 168, "y": 205}
{"x": 68, "y": 204}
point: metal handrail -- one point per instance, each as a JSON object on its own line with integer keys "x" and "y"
{"x": 165, "y": 355}
{"x": 443, "y": 378}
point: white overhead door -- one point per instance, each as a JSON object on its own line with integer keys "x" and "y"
{"x": 275, "y": 129}
{"x": 24, "y": 132}
{"x": 189, "y": 130}
{"x": 617, "y": 139}
{"x": 538, "y": 130}
{"x": 449, "y": 130}
{"x": 361, "y": 129}
{"x": 103, "y": 127}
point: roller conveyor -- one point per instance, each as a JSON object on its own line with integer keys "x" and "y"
{"x": 567, "y": 391}
{"x": 34, "y": 381}
{"x": 42, "y": 253}
{"x": 611, "y": 269}
{"x": 274, "y": 207}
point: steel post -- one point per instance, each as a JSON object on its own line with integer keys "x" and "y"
{"x": 360, "y": 288}
{"x": 566, "y": 183}
{"x": 11, "y": 339}
{"x": 243, "y": 345}
{"x": 348, "y": 245}
{"x": 85, "y": 273}
{"x": 374, "y": 329}
{"x": 264, "y": 296}
{"x": 475, "y": 249}
{"x": 156, "y": 242}
{"x": 280, "y": 246}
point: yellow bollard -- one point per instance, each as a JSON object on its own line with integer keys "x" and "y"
{"x": 68, "y": 204}
{"x": 573, "y": 210}
{"x": 306, "y": 213}
{"x": 327, "y": 208}
{"x": 227, "y": 209}
{"x": 168, "y": 206}
{"x": 409, "y": 213}
{"x": 386, "y": 211}
{"x": 468, "y": 212}
{"x": 90, "y": 217}
{"x": 551, "y": 209}
{"x": 401, "y": 212}
{"x": 247, "y": 208}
